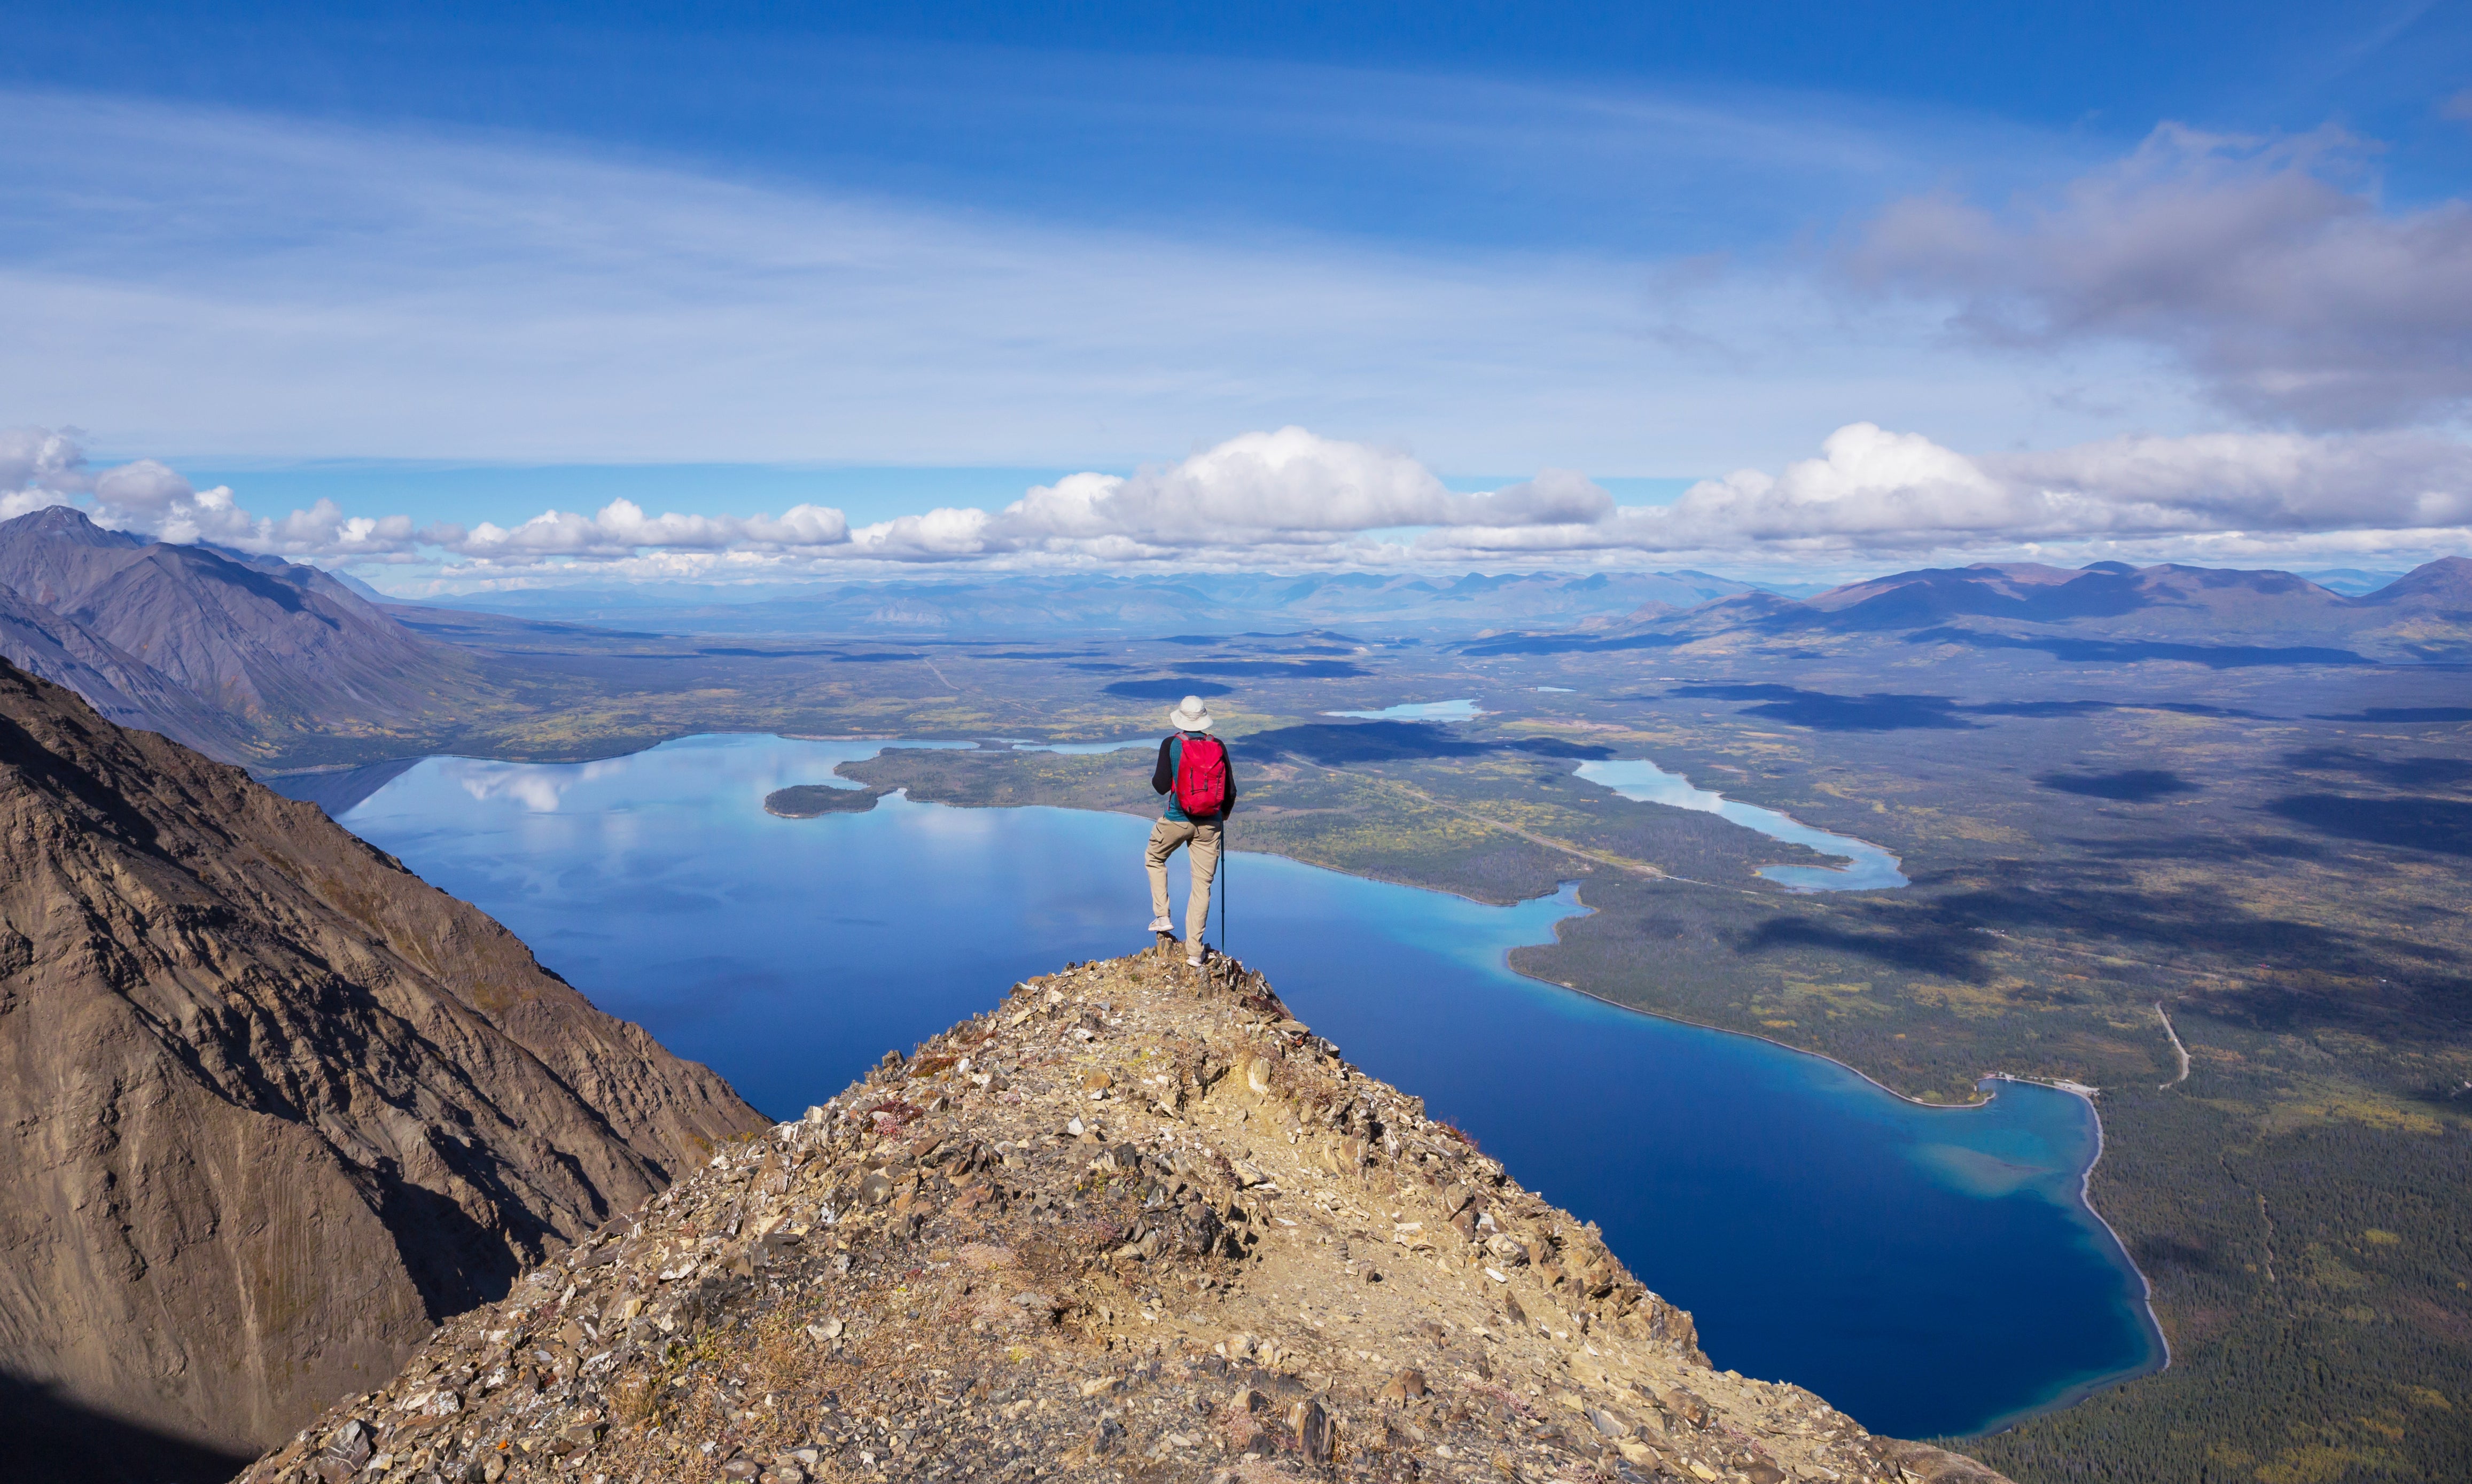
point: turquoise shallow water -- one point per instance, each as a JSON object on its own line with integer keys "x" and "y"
{"x": 1929, "y": 1271}
{"x": 1867, "y": 868}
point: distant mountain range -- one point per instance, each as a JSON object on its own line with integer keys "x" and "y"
{"x": 239, "y": 656}
{"x": 2110, "y": 611}
{"x": 964, "y": 607}
{"x": 254, "y": 659}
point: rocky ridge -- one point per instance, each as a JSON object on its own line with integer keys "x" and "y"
{"x": 1134, "y": 1223}
{"x": 273, "y": 1106}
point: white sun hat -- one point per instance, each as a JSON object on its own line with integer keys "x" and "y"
{"x": 1191, "y": 716}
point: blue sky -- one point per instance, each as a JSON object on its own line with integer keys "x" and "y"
{"x": 466, "y": 264}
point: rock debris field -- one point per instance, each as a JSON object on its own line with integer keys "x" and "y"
{"x": 1136, "y": 1223}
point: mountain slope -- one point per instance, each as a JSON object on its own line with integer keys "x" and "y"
{"x": 2444, "y": 586}
{"x": 279, "y": 652}
{"x": 119, "y": 685}
{"x": 274, "y": 1106}
{"x": 1136, "y": 1223}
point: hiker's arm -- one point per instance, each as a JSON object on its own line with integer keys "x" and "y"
{"x": 1163, "y": 776}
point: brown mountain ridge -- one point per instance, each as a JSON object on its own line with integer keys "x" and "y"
{"x": 243, "y": 657}
{"x": 274, "y": 1106}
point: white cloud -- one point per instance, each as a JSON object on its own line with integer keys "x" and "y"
{"x": 39, "y": 468}
{"x": 1256, "y": 486}
{"x": 43, "y": 466}
{"x": 1288, "y": 494}
{"x": 39, "y": 460}
{"x": 2259, "y": 264}
{"x": 2259, "y": 481}
{"x": 1291, "y": 498}
{"x": 621, "y": 529}
{"x": 1874, "y": 493}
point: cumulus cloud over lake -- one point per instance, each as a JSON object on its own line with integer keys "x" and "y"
{"x": 1290, "y": 497}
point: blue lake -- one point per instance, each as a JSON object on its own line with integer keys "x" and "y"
{"x": 1929, "y": 1271}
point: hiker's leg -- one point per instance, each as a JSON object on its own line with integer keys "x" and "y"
{"x": 1165, "y": 836}
{"x": 1203, "y": 857}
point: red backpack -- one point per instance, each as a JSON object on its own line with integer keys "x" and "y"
{"x": 1201, "y": 777}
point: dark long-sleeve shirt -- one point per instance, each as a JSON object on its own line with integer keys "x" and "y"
{"x": 1163, "y": 777}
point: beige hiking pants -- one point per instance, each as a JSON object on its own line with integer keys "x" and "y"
{"x": 1203, "y": 839}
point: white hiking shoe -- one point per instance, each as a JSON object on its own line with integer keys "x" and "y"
{"x": 1193, "y": 957}
{"x": 1161, "y": 925}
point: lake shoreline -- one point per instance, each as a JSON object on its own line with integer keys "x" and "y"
{"x": 2069, "y": 1395}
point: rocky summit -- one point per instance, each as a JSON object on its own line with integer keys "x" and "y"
{"x": 1136, "y": 1222}
{"x": 273, "y": 1106}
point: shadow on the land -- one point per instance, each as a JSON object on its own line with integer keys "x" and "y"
{"x": 2440, "y": 826}
{"x": 2414, "y": 773}
{"x": 2401, "y": 713}
{"x": 1952, "y": 935}
{"x": 1336, "y": 743}
{"x": 1922, "y": 945}
{"x": 1890, "y": 712}
{"x": 1820, "y": 711}
{"x": 1171, "y": 688}
{"x": 54, "y": 1440}
{"x": 1291, "y": 670}
{"x": 2131, "y": 652}
{"x": 2130, "y": 785}
{"x": 2161, "y": 1254}
{"x": 2041, "y": 710}
{"x": 2214, "y": 849}
{"x": 1557, "y": 747}
{"x": 2270, "y": 973}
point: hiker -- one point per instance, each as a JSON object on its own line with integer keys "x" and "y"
{"x": 1200, "y": 789}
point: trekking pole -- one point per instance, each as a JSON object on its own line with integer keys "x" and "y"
{"x": 1223, "y": 853}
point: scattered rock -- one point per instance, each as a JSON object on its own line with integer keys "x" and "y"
{"x": 346, "y": 1449}
{"x": 999, "y": 1279}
